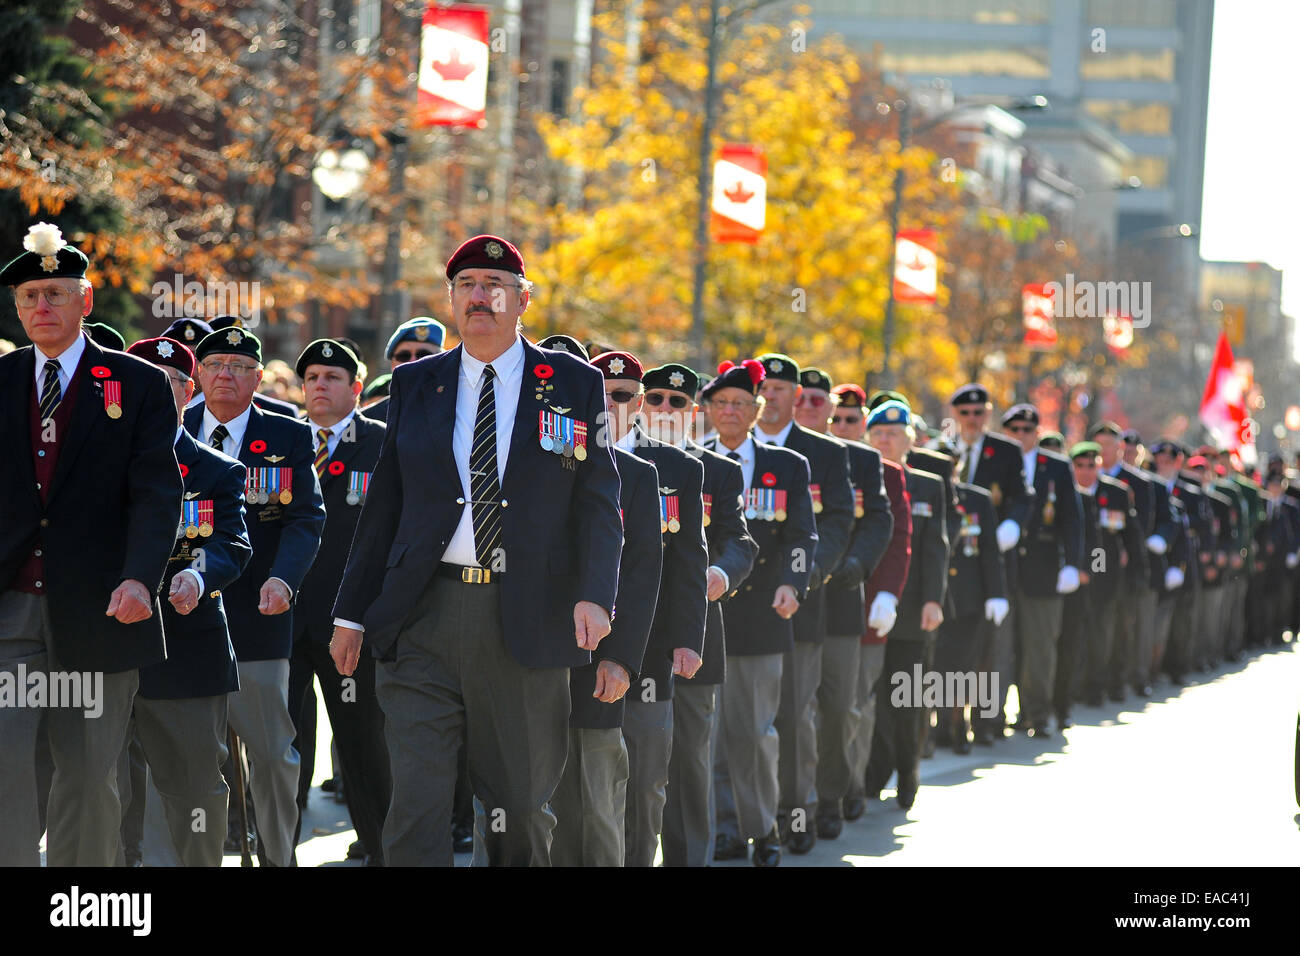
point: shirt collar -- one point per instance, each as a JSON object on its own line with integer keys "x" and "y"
{"x": 67, "y": 360}
{"x": 504, "y": 365}
{"x": 628, "y": 442}
{"x": 336, "y": 429}
{"x": 236, "y": 426}
{"x": 745, "y": 451}
{"x": 777, "y": 439}
{"x": 1088, "y": 489}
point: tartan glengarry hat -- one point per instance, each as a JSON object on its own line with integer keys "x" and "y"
{"x": 748, "y": 375}
{"x": 971, "y": 394}
{"x": 1021, "y": 412}
{"x": 187, "y": 330}
{"x": 327, "y": 352}
{"x": 422, "y": 328}
{"x": 849, "y": 395}
{"x": 47, "y": 256}
{"x": 779, "y": 366}
{"x": 559, "y": 342}
{"x": 618, "y": 365}
{"x": 485, "y": 252}
{"x": 673, "y": 376}
{"x": 230, "y": 341}
{"x": 815, "y": 378}
{"x": 165, "y": 352}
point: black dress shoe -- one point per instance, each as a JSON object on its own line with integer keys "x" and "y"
{"x": 802, "y": 842}
{"x": 1117, "y": 695}
{"x": 783, "y": 828}
{"x": 1040, "y": 732}
{"x": 1144, "y": 690}
{"x": 332, "y": 785}
{"x": 728, "y": 847}
{"x": 1177, "y": 680}
{"x": 357, "y": 851}
{"x": 962, "y": 746}
{"x": 1095, "y": 700}
{"x": 983, "y": 736}
{"x": 1064, "y": 722}
{"x": 767, "y": 850}
{"x": 462, "y": 838}
{"x": 907, "y": 787}
{"x": 854, "y": 807}
{"x": 928, "y": 750}
{"x": 828, "y": 828}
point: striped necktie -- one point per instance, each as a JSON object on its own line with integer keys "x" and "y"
{"x": 51, "y": 393}
{"x": 484, "y": 487}
{"x": 218, "y": 438}
{"x": 322, "y": 450}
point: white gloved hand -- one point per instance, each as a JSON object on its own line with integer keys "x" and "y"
{"x": 1293, "y": 559}
{"x": 1156, "y": 544}
{"x": 1008, "y": 535}
{"x": 996, "y": 610}
{"x": 1067, "y": 582}
{"x": 1174, "y": 579}
{"x": 883, "y": 613}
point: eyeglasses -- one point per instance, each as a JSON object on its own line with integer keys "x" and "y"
{"x": 816, "y": 401}
{"x": 1020, "y": 429}
{"x": 490, "y": 286}
{"x": 739, "y": 406}
{"x": 971, "y": 412}
{"x": 655, "y": 399}
{"x": 405, "y": 356}
{"x": 238, "y": 369}
{"x": 845, "y": 419}
{"x": 622, "y": 396}
{"x": 180, "y": 380}
{"x": 56, "y": 296}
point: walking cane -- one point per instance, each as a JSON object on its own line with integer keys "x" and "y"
{"x": 245, "y": 852}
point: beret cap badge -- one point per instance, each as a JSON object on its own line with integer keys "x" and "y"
{"x": 494, "y": 250}
{"x": 326, "y": 350}
{"x": 616, "y": 366}
{"x": 234, "y": 337}
{"x": 677, "y": 379}
{"x": 165, "y": 349}
{"x": 774, "y": 365}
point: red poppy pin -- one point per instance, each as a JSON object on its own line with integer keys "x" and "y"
{"x": 336, "y": 468}
{"x": 1102, "y": 502}
{"x": 988, "y": 451}
{"x": 768, "y": 479}
{"x": 543, "y": 371}
{"x": 257, "y": 447}
{"x": 99, "y": 371}
{"x": 185, "y": 470}
{"x": 1042, "y": 459}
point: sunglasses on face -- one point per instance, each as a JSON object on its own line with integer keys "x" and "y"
{"x": 845, "y": 419}
{"x": 405, "y": 356}
{"x": 622, "y": 396}
{"x": 655, "y": 399}
{"x": 971, "y": 412}
{"x": 816, "y": 401}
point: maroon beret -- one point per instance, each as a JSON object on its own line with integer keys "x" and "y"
{"x": 619, "y": 365}
{"x": 485, "y": 252}
{"x": 164, "y": 351}
{"x": 850, "y": 395}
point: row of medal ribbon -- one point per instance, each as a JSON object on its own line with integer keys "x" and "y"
{"x": 562, "y": 435}
{"x": 265, "y": 484}
{"x": 196, "y": 518}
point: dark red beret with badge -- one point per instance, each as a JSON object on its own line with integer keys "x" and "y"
{"x": 849, "y": 395}
{"x": 619, "y": 365}
{"x": 485, "y": 252}
{"x": 164, "y": 351}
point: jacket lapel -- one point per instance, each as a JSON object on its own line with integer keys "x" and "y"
{"x": 526, "y": 412}
{"x": 251, "y": 434}
{"x": 17, "y": 425}
{"x": 436, "y": 395}
{"x": 90, "y": 403}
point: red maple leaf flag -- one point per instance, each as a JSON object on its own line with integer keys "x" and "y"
{"x": 916, "y": 267}
{"x": 739, "y": 207}
{"x": 1038, "y": 312}
{"x": 1223, "y": 406}
{"x": 453, "y": 67}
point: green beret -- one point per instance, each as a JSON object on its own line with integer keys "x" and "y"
{"x": 105, "y": 336}
{"x": 815, "y": 378}
{"x": 326, "y": 352}
{"x": 881, "y": 396}
{"x": 780, "y": 367}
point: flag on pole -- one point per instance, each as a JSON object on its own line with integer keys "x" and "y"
{"x": 1038, "y": 304}
{"x": 1223, "y": 405}
{"x": 452, "y": 88}
{"x": 739, "y": 206}
{"x": 916, "y": 267}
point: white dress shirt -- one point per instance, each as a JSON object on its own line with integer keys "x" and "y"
{"x": 235, "y": 429}
{"x": 180, "y": 430}
{"x": 1031, "y": 460}
{"x": 777, "y": 439}
{"x": 746, "y": 453}
{"x": 971, "y": 455}
{"x": 336, "y": 430}
{"x": 509, "y": 369}
{"x": 67, "y": 363}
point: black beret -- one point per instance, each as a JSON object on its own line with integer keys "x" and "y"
{"x": 1130, "y": 436}
{"x": 815, "y": 378}
{"x": 326, "y": 352}
{"x": 47, "y": 257}
{"x": 972, "y": 394}
{"x": 230, "y": 341}
{"x": 1022, "y": 412}
{"x": 226, "y": 322}
{"x": 565, "y": 343}
{"x": 679, "y": 378}
{"x": 188, "y": 331}
{"x": 748, "y": 375}
{"x": 1166, "y": 446}
{"x": 879, "y": 398}
{"x": 105, "y": 336}
{"x": 779, "y": 366}
{"x": 485, "y": 252}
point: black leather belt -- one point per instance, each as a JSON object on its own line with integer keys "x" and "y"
{"x": 467, "y": 575}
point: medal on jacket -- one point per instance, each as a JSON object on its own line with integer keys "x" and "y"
{"x": 995, "y": 492}
{"x": 859, "y": 503}
{"x": 567, "y": 449}
{"x": 669, "y": 513}
{"x": 580, "y": 441}
{"x": 285, "y": 484}
{"x": 358, "y": 485}
{"x": 1049, "y": 506}
{"x": 708, "y": 507}
{"x": 545, "y": 429}
{"x": 205, "y": 518}
{"x": 778, "y": 504}
{"x": 113, "y": 398}
{"x": 970, "y": 532}
{"x": 191, "y": 518}
{"x": 252, "y": 487}
{"x": 816, "y": 492}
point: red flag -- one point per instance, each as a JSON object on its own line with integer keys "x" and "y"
{"x": 1223, "y": 406}
{"x": 739, "y": 207}
{"x": 1117, "y": 330}
{"x": 1038, "y": 304}
{"x": 916, "y": 267}
{"x": 453, "y": 67}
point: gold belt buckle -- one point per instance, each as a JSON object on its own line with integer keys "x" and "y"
{"x": 475, "y": 575}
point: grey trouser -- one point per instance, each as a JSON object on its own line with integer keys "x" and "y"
{"x": 838, "y": 716}
{"x": 453, "y": 679}
{"x": 796, "y": 723}
{"x": 1166, "y": 603}
{"x": 1039, "y": 623}
{"x": 590, "y": 801}
{"x": 750, "y": 699}
{"x": 1135, "y": 623}
{"x": 185, "y": 811}
{"x": 84, "y": 810}
{"x": 871, "y": 661}
{"x": 259, "y": 713}
{"x": 648, "y": 731}
{"x": 689, "y": 809}
{"x": 1211, "y": 641}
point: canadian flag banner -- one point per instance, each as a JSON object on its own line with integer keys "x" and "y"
{"x": 1117, "y": 330}
{"x": 453, "y": 67}
{"x": 739, "y": 207}
{"x": 1223, "y": 406}
{"x": 916, "y": 267}
{"x": 1038, "y": 309}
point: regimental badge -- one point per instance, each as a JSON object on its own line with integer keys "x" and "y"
{"x": 669, "y": 513}
{"x": 165, "y": 349}
{"x": 616, "y": 366}
{"x": 1049, "y": 506}
{"x": 189, "y": 333}
{"x": 113, "y": 398}
{"x": 326, "y": 351}
{"x": 676, "y": 379}
{"x": 708, "y": 508}
{"x": 995, "y": 492}
{"x": 816, "y": 492}
{"x": 494, "y": 250}
{"x": 774, "y": 365}
{"x": 859, "y": 503}
{"x": 234, "y": 337}
{"x": 422, "y": 333}
{"x": 358, "y": 485}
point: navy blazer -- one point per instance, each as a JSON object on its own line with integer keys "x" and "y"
{"x": 873, "y": 527}
{"x": 785, "y": 556}
{"x": 731, "y": 548}
{"x": 1053, "y": 539}
{"x": 927, "y": 574}
{"x": 285, "y": 537}
{"x": 200, "y": 658}
{"x": 975, "y": 570}
{"x": 638, "y": 590}
{"x": 560, "y": 526}
{"x": 110, "y": 511}
{"x": 357, "y": 451}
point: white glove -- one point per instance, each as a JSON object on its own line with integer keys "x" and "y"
{"x": 1293, "y": 559}
{"x": 883, "y": 614}
{"x": 1067, "y": 582}
{"x": 996, "y": 610}
{"x": 1174, "y": 579}
{"x": 1008, "y": 535}
{"x": 1156, "y": 544}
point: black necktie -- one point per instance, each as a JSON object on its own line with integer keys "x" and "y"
{"x": 733, "y": 456}
{"x": 219, "y": 436}
{"x": 51, "y": 393}
{"x": 484, "y": 488}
